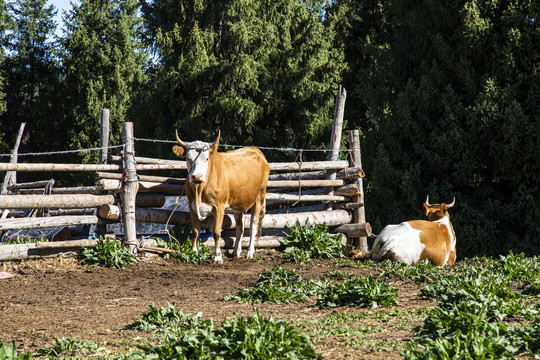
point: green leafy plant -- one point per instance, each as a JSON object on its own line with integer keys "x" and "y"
{"x": 182, "y": 244}
{"x": 250, "y": 337}
{"x": 9, "y": 352}
{"x": 475, "y": 300}
{"x": 421, "y": 272}
{"x": 358, "y": 291}
{"x": 168, "y": 319}
{"x": 67, "y": 346}
{"x": 276, "y": 286}
{"x": 107, "y": 253}
{"x": 310, "y": 241}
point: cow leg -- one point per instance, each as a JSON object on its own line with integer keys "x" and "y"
{"x": 239, "y": 218}
{"x": 256, "y": 215}
{"x": 196, "y": 231}
{"x": 218, "y": 213}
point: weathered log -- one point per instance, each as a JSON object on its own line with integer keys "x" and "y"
{"x": 109, "y": 212}
{"x": 355, "y": 229}
{"x": 346, "y": 174}
{"x": 116, "y": 185}
{"x": 270, "y": 221}
{"x": 289, "y": 197}
{"x": 28, "y": 185}
{"x": 308, "y": 166}
{"x": 150, "y": 178}
{"x": 146, "y": 160}
{"x": 49, "y": 167}
{"x": 51, "y": 221}
{"x": 150, "y": 200}
{"x": 347, "y": 190}
{"x": 61, "y": 190}
{"x": 11, "y": 177}
{"x": 304, "y": 183}
{"x": 295, "y": 191}
{"x": 79, "y": 201}
{"x": 335, "y": 138}
{"x": 43, "y": 249}
{"x": 158, "y": 249}
{"x": 130, "y": 189}
{"x": 227, "y": 242}
{"x": 359, "y": 215}
{"x": 290, "y": 210}
{"x": 348, "y": 206}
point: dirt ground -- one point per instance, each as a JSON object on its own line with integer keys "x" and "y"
{"x": 60, "y": 298}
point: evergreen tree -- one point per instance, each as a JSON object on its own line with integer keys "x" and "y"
{"x": 4, "y": 26}
{"x": 455, "y": 114}
{"x": 263, "y": 72}
{"x": 102, "y": 61}
{"x": 30, "y": 69}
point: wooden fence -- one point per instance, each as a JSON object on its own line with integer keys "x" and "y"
{"x": 327, "y": 192}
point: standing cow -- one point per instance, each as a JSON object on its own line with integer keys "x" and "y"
{"x": 234, "y": 180}
{"x": 412, "y": 241}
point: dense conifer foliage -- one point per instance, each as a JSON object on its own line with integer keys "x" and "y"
{"x": 445, "y": 95}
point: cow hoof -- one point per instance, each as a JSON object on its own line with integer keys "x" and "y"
{"x": 218, "y": 259}
{"x": 250, "y": 255}
{"x": 236, "y": 253}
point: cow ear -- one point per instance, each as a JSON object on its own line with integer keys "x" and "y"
{"x": 426, "y": 209}
{"x": 179, "y": 151}
{"x": 214, "y": 145}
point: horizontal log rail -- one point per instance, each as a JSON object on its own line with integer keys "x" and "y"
{"x": 52, "y": 221}
{"x": 149, "y": 178}
{"x": 289, "y": 197}
{"x": 346, "y": 174}
{"x": 78, "y": 201}
{"x": 48, "y": 167}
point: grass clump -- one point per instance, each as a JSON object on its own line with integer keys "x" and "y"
{"x": 68, "y": 346}
{"x": 9, "y": 352}
{"x": 310, "y": 241}
{"x": 358, "y": 291}
{"x": 278, "y": 286}
{"x": 107, "y": 253}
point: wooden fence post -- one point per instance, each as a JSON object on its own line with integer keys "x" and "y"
{"x": 104, "y": 136}
{"x": 101, "y": 229}
{"x": 335, "y": 139}
{"x": 359, "y": 214}
{"x": 130, "y": 188}
{"x": 11, "y": 176}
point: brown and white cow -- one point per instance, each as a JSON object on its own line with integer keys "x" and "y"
{"x": 234, "y": 180}
{"x": 412, "y": 241}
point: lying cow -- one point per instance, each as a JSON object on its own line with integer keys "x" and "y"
{"x": 234, "y": 180}
{"x": 411, "y": 241}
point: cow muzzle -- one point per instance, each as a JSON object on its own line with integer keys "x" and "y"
{"x": 197, "y": 178}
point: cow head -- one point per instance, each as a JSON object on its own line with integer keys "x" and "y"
{"x": 197, "y": 154}
{"x": 435, "y": 212}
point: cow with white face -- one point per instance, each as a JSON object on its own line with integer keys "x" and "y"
{"x": 412, "y": 241}
{"x": 234, "y": 180}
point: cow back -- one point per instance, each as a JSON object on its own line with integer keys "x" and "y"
{"x": 236, "y": 178}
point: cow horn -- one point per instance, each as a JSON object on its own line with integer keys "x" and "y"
{"x": 182, "y": 143}
{"x": 217, "y": 139}
{"x": 427, "y": 201}
{"x": 452, "y": 204}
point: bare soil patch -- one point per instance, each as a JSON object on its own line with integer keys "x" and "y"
{"x": 60, "y": 298}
